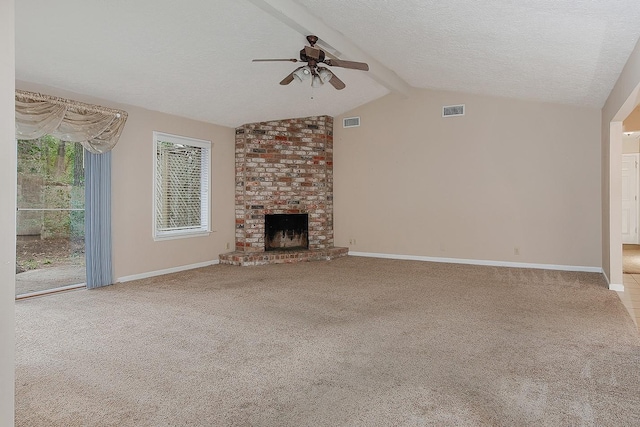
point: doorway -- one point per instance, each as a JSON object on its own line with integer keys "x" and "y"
{"x": 50, "y": 215}
{"x": 630, "y": 184}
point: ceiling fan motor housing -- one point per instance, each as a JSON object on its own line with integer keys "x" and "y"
{"x": 306, "y": 58}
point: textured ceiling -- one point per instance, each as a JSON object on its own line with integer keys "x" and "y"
{"x": 565, "y": 51}
{"x": 193, "y": 58}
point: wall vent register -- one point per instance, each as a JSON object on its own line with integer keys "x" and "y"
{"x": 351, "y": 122}
{"x": 453, "y": 110}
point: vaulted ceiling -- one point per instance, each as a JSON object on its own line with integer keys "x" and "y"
{"x": 193, "y": 58}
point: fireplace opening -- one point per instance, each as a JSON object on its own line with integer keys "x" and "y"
{"x": 286, "y": 232}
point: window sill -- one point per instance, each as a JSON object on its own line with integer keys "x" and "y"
{"x": 174, "y": 236}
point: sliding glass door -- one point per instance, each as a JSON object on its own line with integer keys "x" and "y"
{"x": 50, "y": 217}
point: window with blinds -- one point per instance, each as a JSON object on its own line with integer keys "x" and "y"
{"x": 181, "y": 190}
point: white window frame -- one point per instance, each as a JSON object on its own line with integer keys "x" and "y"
{"x": 205, "y": 209}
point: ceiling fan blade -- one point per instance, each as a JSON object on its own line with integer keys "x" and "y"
{"x": 288, "y": 79}
{"x": 336, "y": 82}
{"x": 271, "y": 60}
{"x": 347, "y": 64}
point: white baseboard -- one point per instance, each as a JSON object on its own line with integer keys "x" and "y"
{"x": 616, "y": 287}
{"x": 481, "y": 262}
{"x": 166, "y": 271}
{"x": 613, "y": 286}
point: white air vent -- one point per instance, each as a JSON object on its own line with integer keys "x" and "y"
{"x": 351, "y": 122}
{"x": 453, "y": 110}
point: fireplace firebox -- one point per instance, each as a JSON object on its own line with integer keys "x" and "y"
{"x": 286, "y": 232}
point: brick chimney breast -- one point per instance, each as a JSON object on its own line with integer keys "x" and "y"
{"x": 284, "y": 167}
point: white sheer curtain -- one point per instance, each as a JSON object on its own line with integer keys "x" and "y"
{"x": 96, "y": 128}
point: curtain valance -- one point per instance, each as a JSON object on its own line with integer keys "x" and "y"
{"x": 96, "y": 128}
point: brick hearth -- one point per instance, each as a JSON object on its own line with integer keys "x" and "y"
{"x": 284, "y": 167}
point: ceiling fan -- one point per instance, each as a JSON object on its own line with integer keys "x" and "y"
{"x": 314, "y": 56}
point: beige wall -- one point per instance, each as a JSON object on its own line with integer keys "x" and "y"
{"x": 509, "y": 174}
{"x": 7, "y": 213}
{"x": 632, "y": 122}
{"x": 134, "y": 250}
{"x": 622, "y": 100}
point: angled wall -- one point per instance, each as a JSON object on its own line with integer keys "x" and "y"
{"x": 510, "y": 181}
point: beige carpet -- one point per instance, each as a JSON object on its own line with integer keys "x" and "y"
{"x": 631, "y": 259}
{"x": 351, "y": 342}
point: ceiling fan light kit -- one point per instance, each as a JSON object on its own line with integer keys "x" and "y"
{"x": 318, "y": 75}
{"x": 303, "y": 73}
{"x": 325, "y": 75}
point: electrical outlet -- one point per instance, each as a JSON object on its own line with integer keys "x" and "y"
{"x": 227, "y": 246}
{"x": 352, "y": 242}
{"x": 516, "y": 251}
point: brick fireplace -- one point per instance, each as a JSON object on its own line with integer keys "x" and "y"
{"x": 284, "y": 167}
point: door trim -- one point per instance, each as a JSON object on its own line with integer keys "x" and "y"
{"x": 635, "y": 158}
